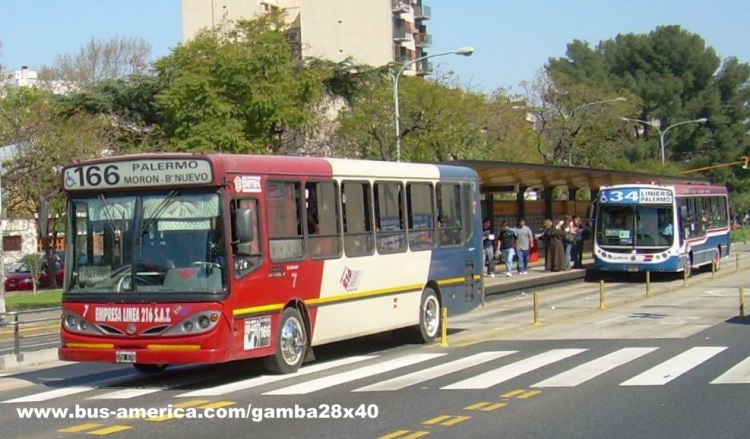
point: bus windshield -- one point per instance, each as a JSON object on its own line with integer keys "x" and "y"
{"x": 636, "y": 226}
{"x": 151, "y": 243}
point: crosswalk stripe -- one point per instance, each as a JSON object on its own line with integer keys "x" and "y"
{"x": 739, "y": 374}
{"x": 267, "y": 379}
{"x": 52, "y": 394}
{"x": 127, "y": 393}
{"x": 73, "y": 390}
{"x": 674, "y": 367}
{"x": 592, "y": 369}
{"x": 434, "y": 372}
{"x": 505, "y": 373}
{"x": 351, "y": 375}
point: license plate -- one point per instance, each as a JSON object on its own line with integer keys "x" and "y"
{"x": 632, "y": 268}
{"x": 125, "y": 357}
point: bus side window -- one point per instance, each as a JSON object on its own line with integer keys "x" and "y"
{"x": 421, "y": 215}
{"x": 449, "y": 210}
{"x": 357, "y": 210}
{"x": 285, "y": 222}
{"x": 247, "y": 256}
{"x": 322, "y": 217}
{"x": 389, "y": 217}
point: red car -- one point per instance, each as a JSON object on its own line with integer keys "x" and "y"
{"x": 20, "y": 279}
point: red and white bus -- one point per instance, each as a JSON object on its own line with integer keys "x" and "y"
{"x": 187, "y": 258}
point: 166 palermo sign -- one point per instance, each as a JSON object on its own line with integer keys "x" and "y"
{"x": 138, "y": 173}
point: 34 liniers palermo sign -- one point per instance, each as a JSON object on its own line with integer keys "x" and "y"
{"x": 138, "y": 173}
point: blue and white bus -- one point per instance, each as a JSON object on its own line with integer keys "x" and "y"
{"x": 650, "y": 227}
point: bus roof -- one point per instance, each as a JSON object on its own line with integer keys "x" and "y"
{"x": 194, "y": 169}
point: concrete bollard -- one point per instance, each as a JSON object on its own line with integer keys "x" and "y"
{"x": 444, "y": 328}
{"x": 742, "y": 302}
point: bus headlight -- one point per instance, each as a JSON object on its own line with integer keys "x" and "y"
{"x": 75, "y": 323}
{"x": 195, "y": 324}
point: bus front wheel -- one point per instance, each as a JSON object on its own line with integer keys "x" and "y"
{"x": 291, "y": 344}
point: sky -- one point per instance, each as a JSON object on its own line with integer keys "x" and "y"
{"x": 512, "y": 39}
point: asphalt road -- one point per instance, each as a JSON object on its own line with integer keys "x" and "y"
{"x": 670, "y": 366}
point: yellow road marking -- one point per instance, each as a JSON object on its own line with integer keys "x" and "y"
{"x": 529, "y": 394}
{"x": 394, "y": 435}
{"x": 495, "y": 406}
{"x": 512, "y": 394}
{"x": 456, "y": 420}
{"x": 110, "y": 430}
{"x": 217, "y": 405}
{"x": 477, "y": 406}
{"x": 193, "y": 403}
{"x": 399, "y": 433}
{"x": 434, "y": 421}
{"x": 77, "y": 428}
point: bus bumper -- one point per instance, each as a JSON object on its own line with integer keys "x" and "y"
{"x": 160, "y": 355}
{"x": 671, "y": 265}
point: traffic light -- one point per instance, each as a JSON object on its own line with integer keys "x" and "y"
{"x": 744, "y": 162}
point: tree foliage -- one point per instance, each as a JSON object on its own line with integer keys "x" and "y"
{"x": 237, "y": 89}
{"x": 101, "y": 60}
{"x": 675, "y": 77}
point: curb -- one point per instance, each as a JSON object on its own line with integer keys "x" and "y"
{"x": 33, "y": 358}
{"x": 9, "y": 333}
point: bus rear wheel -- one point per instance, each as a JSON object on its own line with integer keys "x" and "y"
{"x": 150, "y": 368}
{"x": 291, "y": 344}
{"x": 429, "y": 318}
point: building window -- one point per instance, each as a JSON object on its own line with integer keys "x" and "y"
{"x": 12, "y": 243}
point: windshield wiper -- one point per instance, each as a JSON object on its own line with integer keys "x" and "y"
{"x": 166, "y": 202}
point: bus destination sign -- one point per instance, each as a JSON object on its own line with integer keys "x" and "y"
{"x": 138, "y": 173}
{"x": 636, "y": 196}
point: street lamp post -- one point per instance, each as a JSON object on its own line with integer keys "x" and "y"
{"x": 567, "y": 117}
{"x": 465, "y": 51}
{"x": 663, "y": 132}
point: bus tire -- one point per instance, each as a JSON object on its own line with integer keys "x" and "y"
{"x": 429, "y": 318}
{"x": 717, "y": 259}
{"x": 291, "y": 344}
{"x": 150, "y": 368}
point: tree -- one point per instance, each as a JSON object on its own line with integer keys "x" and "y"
{"x": 238, "y": 89}
{"x": 675, "y": 77}
{"x": 578, "y": 124}
{"x": 130, "y": 104}
{"x": 100, "y": 60}
{"x": 44, "y": 140}
{"x": 440, "y": 120}
{"x": 34, "y": 261}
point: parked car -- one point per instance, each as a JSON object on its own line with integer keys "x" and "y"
{"x": 21, "y": 279}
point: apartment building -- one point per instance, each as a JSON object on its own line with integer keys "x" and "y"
{"x": 371, "y": 32}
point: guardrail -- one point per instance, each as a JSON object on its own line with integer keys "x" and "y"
{"x": 11, "y": 319}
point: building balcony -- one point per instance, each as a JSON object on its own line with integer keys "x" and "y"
{"x": 423, "y": 40}
{"x": 422, "y": 12}
{"x": 424, "y": 67}
{"x": 402, "y": 35}
{"x": 400, "y": 6}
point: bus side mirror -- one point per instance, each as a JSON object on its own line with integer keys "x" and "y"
{"x": 244, "y": 221}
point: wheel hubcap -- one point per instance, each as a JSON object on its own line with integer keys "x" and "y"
{"x": 292, "y": 341}
{"x": 431, "y": 316}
